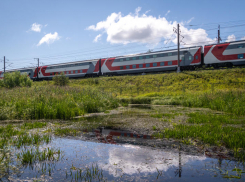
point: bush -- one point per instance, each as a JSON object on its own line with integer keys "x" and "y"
{"x": 16, "y": 79}
{"x": 61, "y": 79}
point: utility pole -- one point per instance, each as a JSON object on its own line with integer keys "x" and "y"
{"x": 178, "y": 69}
{"x": 177, "y": 31}
{"x": 4, "y": 64}
{"x": 37, "y": 65}
{"x": 219, "y": 39}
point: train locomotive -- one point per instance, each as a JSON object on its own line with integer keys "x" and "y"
{"x": 226, "y": 54}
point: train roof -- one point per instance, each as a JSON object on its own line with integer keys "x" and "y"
{"x": 237, "y": 41}
{"x": 155, "y": 52}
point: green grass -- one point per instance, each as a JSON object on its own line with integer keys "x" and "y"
{"x": 30, "y": 139}
{"x": 199, "y": 118}
{"x": 29, "y": 157}
{"x": 50, "y": 102}
{"x": 65, "y": 131}
{"x": 33, "y": 125}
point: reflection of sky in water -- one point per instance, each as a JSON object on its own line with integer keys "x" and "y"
{"x": 129, "y": 162}
{"x": 133, "y": 160}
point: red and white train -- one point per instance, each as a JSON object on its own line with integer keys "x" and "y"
{"x": 216, "y": 55}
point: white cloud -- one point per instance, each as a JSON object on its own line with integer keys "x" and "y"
{"x": 146, "y": 29}
{"x": 231, "y": 38}
{"x": 167, "y": 13}
{"x": 36, "y": 27}
{"x": 189, "y": 21}
{"x": 49, "y": 38}
{"x": 45, "y": 25}
{"x": 132, "y": 160}
{"x": 97, "y": 38}
{"x": 68, "y": 38}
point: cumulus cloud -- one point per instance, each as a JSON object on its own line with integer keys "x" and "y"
{"x": 49, "y": 38}
{"x": 146, "y": 29}
{"x": 97, "y": 38}
{"x": 36, "y": 27}
{"x": 167, "y": 12}
{"x": 135, "y": 160}
{"x": 231, "y": 38}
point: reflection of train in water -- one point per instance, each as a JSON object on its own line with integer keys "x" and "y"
{"x": 226, "y": 54}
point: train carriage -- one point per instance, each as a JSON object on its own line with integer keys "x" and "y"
{"x": 153, "y": 61}
{"x": 225, "y": 54}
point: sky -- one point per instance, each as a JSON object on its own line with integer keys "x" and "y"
{"x": 61, "y": 31}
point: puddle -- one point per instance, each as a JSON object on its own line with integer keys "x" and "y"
{"x": 110, "y": 153}
{"x": 113, "y": 155}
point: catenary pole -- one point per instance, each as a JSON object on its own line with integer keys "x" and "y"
{"x": 4, "y": 64}
{"x": 178, "y": 68}
{"x": 218, "y": 34}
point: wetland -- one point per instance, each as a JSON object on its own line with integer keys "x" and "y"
{"x": 123, "y": 144}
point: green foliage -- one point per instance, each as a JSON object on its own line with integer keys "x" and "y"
{"x": 30, "y": 157}
{"x": 50, "y": 102}
{"x": 34, "y": 125}
{"x": 15, "y": 79}
{"x": 199, "y": 118}
{"x": 61, "y": 79}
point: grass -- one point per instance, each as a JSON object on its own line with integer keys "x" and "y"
{"x": 65, "y": 131}
{"x": 31, "y": 139}
{"x": 198, "y": 118}
{"x": 34, "y": 125}
{"x": 212, "y": 129}
{"x": 87, "y": 174}
{"x": 29, "y": 157}
{"x": 50, "y": 102}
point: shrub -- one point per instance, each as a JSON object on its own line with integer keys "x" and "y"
{"x": 16, "y": 79}
{"x": 61, "y": 79}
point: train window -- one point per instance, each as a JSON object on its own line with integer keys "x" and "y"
{"x": 127, "y": 67}
{"x": 240, "y": 46}
{"x": 67, "y": 72}
{"x": 154, "y": 56}
{"x": 190, "y": 58}
{"x": 50, "y": 73}
{"x": 141, "y": 66}
{"x": 154, "y": 64}
{"x": 76, "y": 71}
{"x": 170, "y": 54}
{"x": 147, "y": 65}
{"x": 161, "y": 63}
{"x": 134, "y": 58}
{"x": 147, "y": 57}
{"x": 240, "y": 56}
{"x": 170, "y": 63}
{"x": 81, "y": 71}
{"x": 121, "y": 67}
{"x": 141, "y": 57}
{"x": 134, "y": 66}
{"x": 196, "y": 57}
{"x": 121, "y": 59}
{"x": 183, "y": 58}
{"x": 127, "y": 59}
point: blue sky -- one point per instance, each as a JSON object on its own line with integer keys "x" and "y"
{"x": 64, "y": 31}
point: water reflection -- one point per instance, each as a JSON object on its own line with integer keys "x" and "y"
{"x": 126, "y": 156}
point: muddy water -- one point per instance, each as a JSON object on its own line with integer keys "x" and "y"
{"x": 121, "y": 156}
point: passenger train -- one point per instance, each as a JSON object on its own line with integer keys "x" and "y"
{"x": 226, "y": 54}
